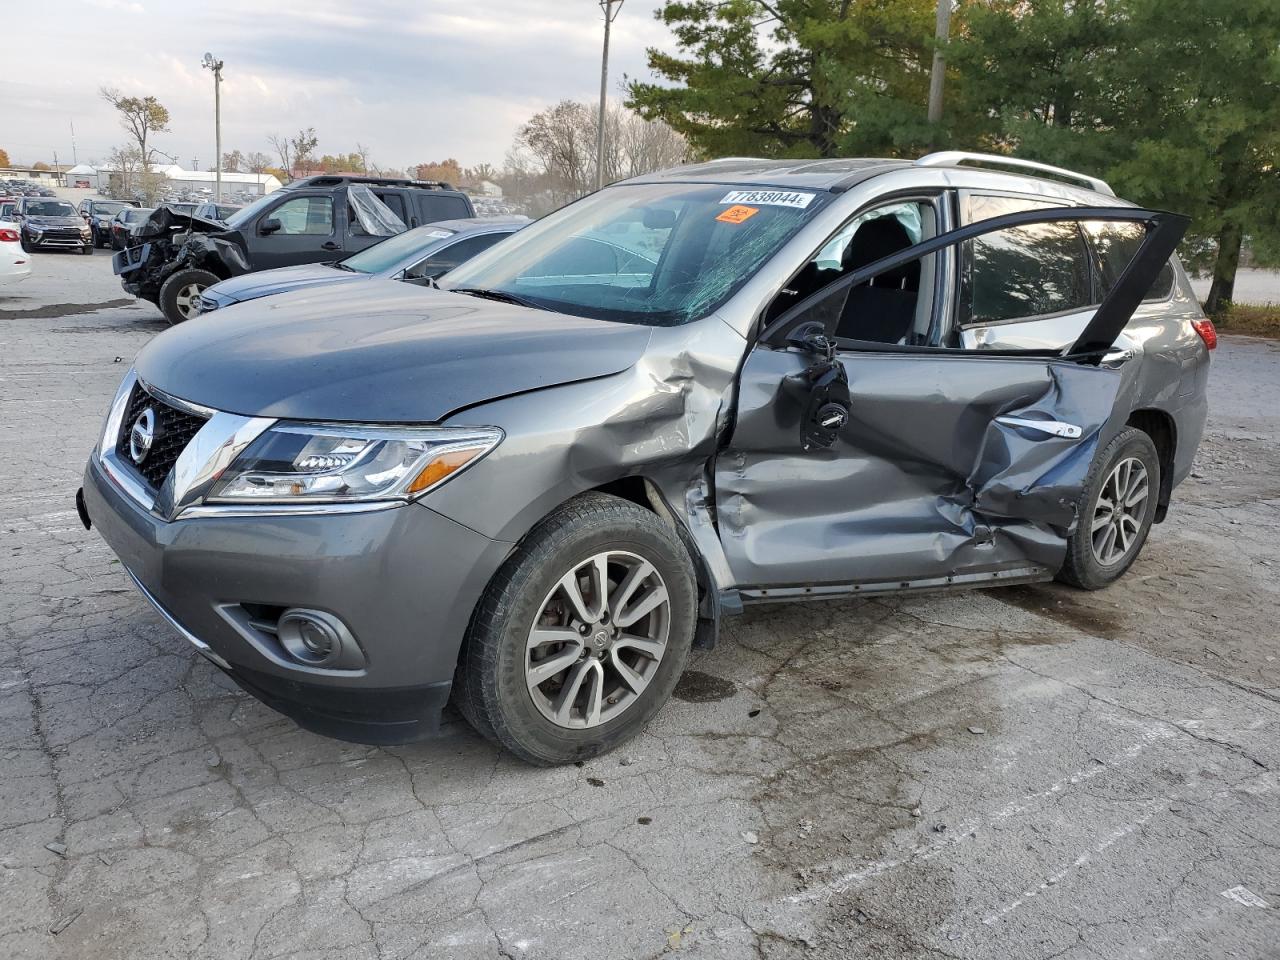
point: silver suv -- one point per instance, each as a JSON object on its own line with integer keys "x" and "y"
{"x": 533, "y": 490}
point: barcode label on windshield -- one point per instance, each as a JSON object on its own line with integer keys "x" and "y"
{"x": 772, "y": 198}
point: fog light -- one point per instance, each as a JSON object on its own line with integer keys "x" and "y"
{"x": 311, "y": 636}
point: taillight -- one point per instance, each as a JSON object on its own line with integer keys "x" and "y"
{"x": 9, "y": 236}
{"x": 1204, "y": 327}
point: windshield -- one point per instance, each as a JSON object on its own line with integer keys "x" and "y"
{"x": 656, "y": 254}
{"x": 134, "y": 215}
{"x": 394, "y": 250}
{"x": 107, "y": 209}
{"x": 49, "y": 208}
{"x": 245, "y": 214}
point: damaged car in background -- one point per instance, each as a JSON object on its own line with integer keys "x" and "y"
{"x": 174, "y": 256}
{"x": 534, "y": 489}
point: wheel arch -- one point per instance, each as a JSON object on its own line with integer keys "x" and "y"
{"x": 1163, "y": 431}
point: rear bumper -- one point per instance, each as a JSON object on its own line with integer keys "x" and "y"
{"x": 403, "y": 580}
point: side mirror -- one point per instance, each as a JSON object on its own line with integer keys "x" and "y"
{"x": 269, "y": 226}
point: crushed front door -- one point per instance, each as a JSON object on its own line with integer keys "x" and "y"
{"x": 944, "y": 466}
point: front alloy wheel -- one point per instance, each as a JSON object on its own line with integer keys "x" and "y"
{"x": 598, "y": 640}
{"x": 180, "y": 294}
{"x": 581, "y": 636}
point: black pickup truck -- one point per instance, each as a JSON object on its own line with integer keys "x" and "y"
{"x": 173, "y": 256}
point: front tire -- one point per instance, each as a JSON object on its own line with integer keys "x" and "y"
{"x": 180, "y": 294}
{"x": 1116, "y": 510}
{"x": 580, "y": 638}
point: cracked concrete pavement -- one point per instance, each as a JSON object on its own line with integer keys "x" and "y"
{"x": 1028, "y": 772}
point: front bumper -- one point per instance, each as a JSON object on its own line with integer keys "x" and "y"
{"x": 404, "y": 580}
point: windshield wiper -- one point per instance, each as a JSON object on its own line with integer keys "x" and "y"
{"x": 500, "y": 295}
{"x": 339, "y": 265}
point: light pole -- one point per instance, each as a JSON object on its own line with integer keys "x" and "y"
{"x": 216, "y": 66}
{"x": 611, "y": 10}
{"x": 941, "y": 31}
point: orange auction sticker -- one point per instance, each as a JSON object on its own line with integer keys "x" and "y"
{"x": 738, "y": 213}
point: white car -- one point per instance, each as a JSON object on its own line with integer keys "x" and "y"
{"x": 15, "y": 263}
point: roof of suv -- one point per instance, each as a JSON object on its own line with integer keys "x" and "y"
{"x": 334, "y": 180}
{"x": 835, "y": 175}
{"x": 839, "y": 175}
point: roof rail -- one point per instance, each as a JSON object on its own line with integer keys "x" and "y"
{"x": 953, "y": 158}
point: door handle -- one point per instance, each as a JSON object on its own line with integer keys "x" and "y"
{"x": 1055, "y": 428}
{"x": 328, "y": 245}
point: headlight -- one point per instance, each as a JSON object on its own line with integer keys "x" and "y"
{"x": 341, "y": 463}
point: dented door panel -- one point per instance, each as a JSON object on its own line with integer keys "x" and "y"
{"x": 923, "y": 482}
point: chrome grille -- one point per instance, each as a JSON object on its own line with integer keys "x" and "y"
{"x": 174, "y": 429}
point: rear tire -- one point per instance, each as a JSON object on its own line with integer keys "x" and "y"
{"x": 618, "y": 670}
{"x": 1115, "y": 510}
{"x": 180, "y": 292}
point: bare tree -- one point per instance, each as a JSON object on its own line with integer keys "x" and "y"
{"x": 362, "y": 152}
{"x": 256, "y": 161}
{"x": 233, "y": 161}
{"x": 553, "y": 159}
{"x": 140, "y": 117}
{"x": 303, "y": 144}
{"x": 284, "y": 147}
{"x": 124, "y": 163}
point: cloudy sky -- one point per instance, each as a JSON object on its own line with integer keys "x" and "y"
{"x": 413, "y": 80}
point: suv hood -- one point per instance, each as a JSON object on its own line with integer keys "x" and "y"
{"x": 264, "y": 283}
{"x": 379, "y": 352}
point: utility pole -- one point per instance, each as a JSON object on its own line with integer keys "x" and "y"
{"x": 941, "y": 33}
{"x": 74, "y": 161}
{"x": 209, "y": 63}
{"x": 611, "y": 10}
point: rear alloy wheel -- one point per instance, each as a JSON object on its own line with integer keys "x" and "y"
{"x": 180, "y": 294}
{"x": 581, "y": 637}
{"x": 1116, "y": 511}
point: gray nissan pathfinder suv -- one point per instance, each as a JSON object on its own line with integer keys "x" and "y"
{"x": 534, "y": 489}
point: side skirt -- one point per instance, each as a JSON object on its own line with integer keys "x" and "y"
{"x": 1034, "y": 573}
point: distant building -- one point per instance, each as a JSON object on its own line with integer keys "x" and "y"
{"x": 45, "y": 178}
{"x": 178, "y": 180}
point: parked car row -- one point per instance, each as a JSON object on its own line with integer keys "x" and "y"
{"x": 24, "y": 188}
{"x": 532, "y": 485}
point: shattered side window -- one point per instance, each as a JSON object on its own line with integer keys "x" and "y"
{"x": 374, "y": 217}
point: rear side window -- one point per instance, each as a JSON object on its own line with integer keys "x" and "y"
{"x": 1114, "y": 245}
{"x": 1025, "y": 272}
{"x": 435, "y": 206}
{"x": 395, "y": 202}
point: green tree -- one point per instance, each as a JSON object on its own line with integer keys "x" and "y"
{"x": 140, "y": 117}
{"x": 793, "y": 78}
{"x": 1175, "y": 102}
{"x": 1201, "y": 113}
